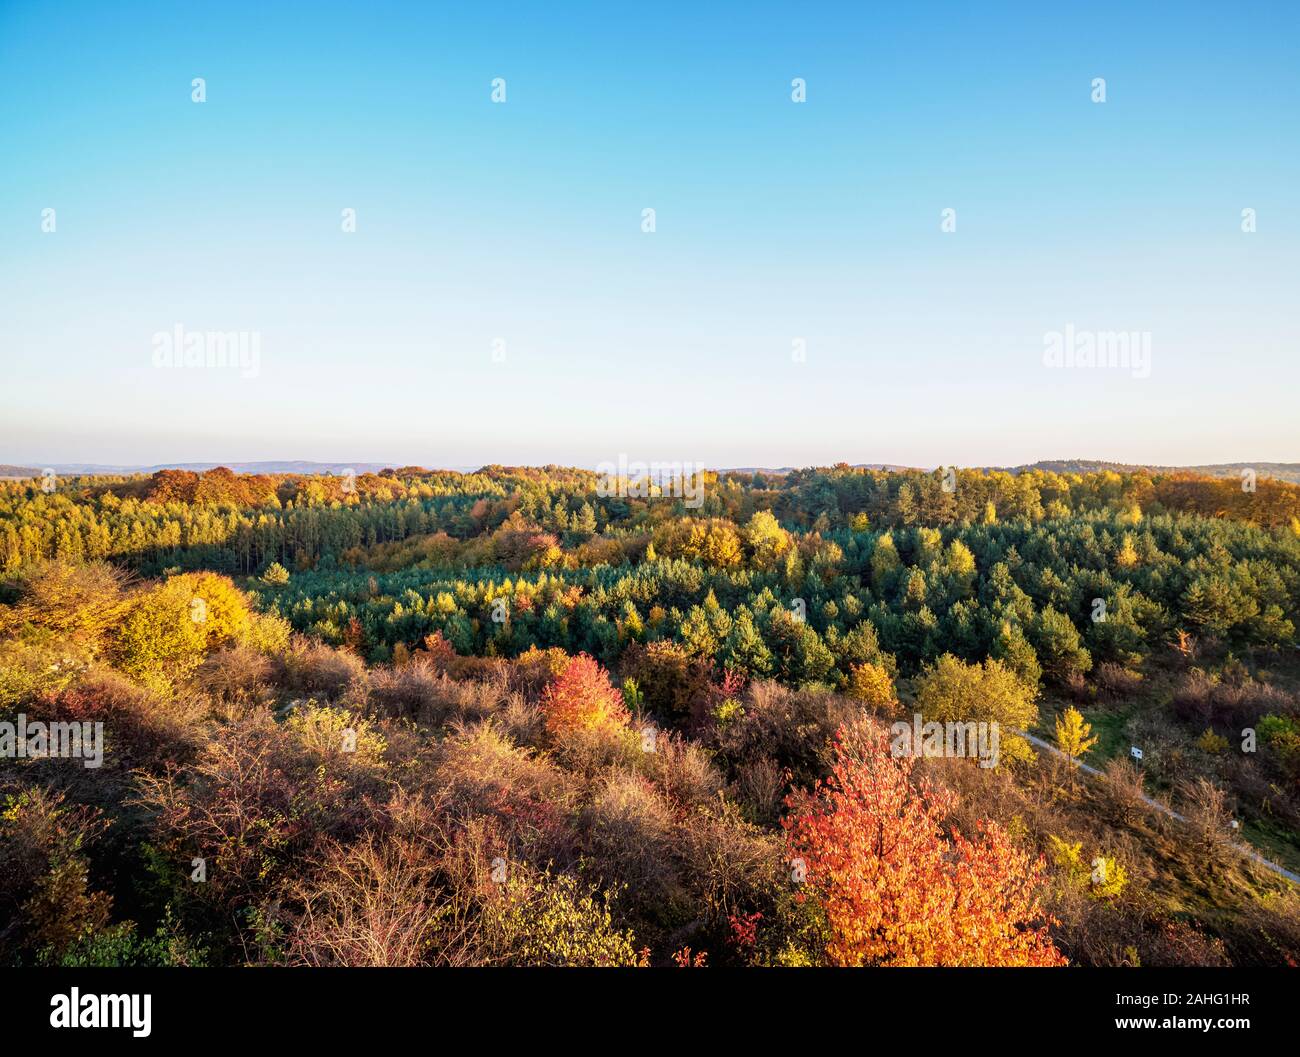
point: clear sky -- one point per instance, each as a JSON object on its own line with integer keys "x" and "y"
{"x": 774, "y": 221}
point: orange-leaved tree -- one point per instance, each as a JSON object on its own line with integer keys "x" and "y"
{"x": 581, "y": 697}
{"x": 897, "y": 890}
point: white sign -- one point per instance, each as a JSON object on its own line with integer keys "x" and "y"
{"x": 1135, "y": 752}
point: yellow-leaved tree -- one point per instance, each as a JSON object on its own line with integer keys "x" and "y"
{"x": 1073, "y": 734}
{"x": 169, "y": 628}
{"x": 766, "y": 539}
{"x": 871, "y": 684}
{"x": 952, "y": 691}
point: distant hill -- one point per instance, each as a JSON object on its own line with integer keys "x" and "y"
{"x": 778, "y": 470}
{"x": 271, "y": 467}
{"x": 1282, "y": 471}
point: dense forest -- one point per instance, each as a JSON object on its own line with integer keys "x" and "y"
{"x": 520, "y": 716}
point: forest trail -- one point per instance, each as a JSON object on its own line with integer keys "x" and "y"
{"x": 1245, "y": 849}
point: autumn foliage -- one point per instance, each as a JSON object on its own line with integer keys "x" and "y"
{"x": 581, "y": 697}
{"x": 895, "y": 889}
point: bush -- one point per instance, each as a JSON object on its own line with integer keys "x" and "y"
{"x": 538, "y": 919}
{"x": 1206, "y": 810}
{"x": 37, "y": 665}
{"x": 1212, "y": 743}
{"x": 674, "y": 684}
{"x": 237, "y": 676}
{"x": 951, "y": 690}
{"x": 1203, "y": 700}
{"x": 168, "y": 629}
{"x": 369, "y": 903}
{"x": 79, "y": 602}
{"x": 871, "y": 684}
{"x": 418, "y": 691}
{"x": 761, "y": 787}
{"x": 1103, "y": 877}
{"x": 1124, "y": 790}
{"x": 259, "y": 798}
{"x": 582, "y": 698}
{"x": 478, "y": 772}
{"x": 918, "y": 898}
{"x": 629, "y": 832}
{"x": 121, "y": 946}
{"x": 789, "y": 728}
{"x": 682, "y": 770}
{"x": 142, "y": 728}
{"x": 731, "y": 867}
{"x": 46, "y": 902}
{"x": 1116, "y": 680}
{"x": 313, "y": 669}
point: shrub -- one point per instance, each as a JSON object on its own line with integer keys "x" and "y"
{"x": 1212, "y": 743}
{"x": 369, "y": 903}
{"x": 276, "y": 575}
{"x": 477, "y": 772}
{"x": 257, "y": 799}
{"x": 168, "y": 629}
{"x": 38, "y": 665}
{"x": 871, "y": 684}
{"x": 761, "y": 788}
{"x": 237, "y": 675}
{"x": 894, "y": 889}
{"x": 534, "y": 669}
{"x": 121, "y": 946}
{"x": 789, "y": 728}
{"x": 582, "y": 698}
{"x": 629, "y": 832}
{"x": 142, "y": 728}
{"x": 539, "y": 919}
{"x": 268, "y": 634}
{"x": 80, "y": 602}
{"x": 415, "y": 690}
{"x": 1282, "y": 735}
{"x": 951, "y": 690}
{"x": 730, "y": 866}
{"x": 317, "y": 670}
{"x": 682, "y": 770}
{"x": 1204, "y": 700}
{"x": 46, "y": 902}
{"x": 674, "y": 684}
{"x": 1124, "y": 789}
{"x": 1116, "y": 680}
{"x": 1104, "y": 878}
{"x": 1207, "y": 813}
{"x": 337, "y": 736}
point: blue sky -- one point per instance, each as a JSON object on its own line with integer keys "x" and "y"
{"x": 775, "y": 221}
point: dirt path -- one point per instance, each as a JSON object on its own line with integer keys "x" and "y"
{"x": 1245, "y": 849}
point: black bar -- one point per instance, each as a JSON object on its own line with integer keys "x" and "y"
{"x": 508, "y": 1008}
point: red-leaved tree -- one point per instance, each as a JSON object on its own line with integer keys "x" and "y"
{"x": 895, "y": 889}
{"x": 581, "y": 697}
